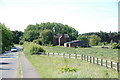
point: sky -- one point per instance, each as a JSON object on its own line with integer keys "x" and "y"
{"x": 83, "y": 15}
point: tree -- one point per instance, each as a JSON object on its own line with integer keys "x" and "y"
{"x": 32, "y": 32}
{"x": 82, "y": 38}
{"x": 46, "y": 36}
{"x": 7, "y": 38}
{"x": 16, "y": 36}
{"x": 94, "y": 40}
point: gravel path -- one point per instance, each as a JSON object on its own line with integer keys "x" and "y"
{"x": 28, "y": 70}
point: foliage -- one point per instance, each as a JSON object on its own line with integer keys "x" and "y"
{"x": 16, "y": 36}
{"x": 7, "y": 38}
{"x": 115, "y": 46}
{"x": 48, "y": 67}
{"x": 0, "y": 39}
{"x": 38, "y": 41}
{"x": 67, "y": 68}
{"x": 82, "y": 38}
{"x": 46, "y": 36}
{"x": 32, "y": 32}
{"x": 106, "y": 37}
{"x": 21, "y": 42}
{"x": 94, "y": 40}
{"x": 32, "y": 48}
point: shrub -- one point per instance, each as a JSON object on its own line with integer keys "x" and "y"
{"x": 67, "y": 68}
{"x": 35, "y": 49}
{"x": 37, "y": 41}
{"x": 21, "y": 42}
{"x": 32, "y": 48}
{"x": 115, "y": 46}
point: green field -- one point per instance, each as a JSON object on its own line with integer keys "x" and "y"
{"x": 97, "y": 51}
{"x": 48, "y": 67}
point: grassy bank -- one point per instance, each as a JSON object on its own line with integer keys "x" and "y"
{"x": 48, "y": 67}
{"x": 103, "y": 53}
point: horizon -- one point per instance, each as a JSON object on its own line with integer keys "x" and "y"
{"x": 103, "y": 15}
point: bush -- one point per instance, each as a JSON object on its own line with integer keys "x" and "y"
{"x": 21, "y": 42}
{"x": 67, "y": 68}
{"x": 35, "y": 49}
{"x": 115, "y": 46}
{"x": 32, "y": 48}
{"x": 37, "y": 41}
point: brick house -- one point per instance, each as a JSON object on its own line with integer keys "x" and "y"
{"x": 76, "y": 43}
{"x": 60, "y": 39}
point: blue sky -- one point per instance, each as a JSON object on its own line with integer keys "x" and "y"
{"x": 83, "y": 15}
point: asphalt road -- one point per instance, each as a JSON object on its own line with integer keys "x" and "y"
{"x": 9, "y": 65}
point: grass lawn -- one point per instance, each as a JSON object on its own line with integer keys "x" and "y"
{"x": 103, "y": 53}
{"x": 48, "y": 67}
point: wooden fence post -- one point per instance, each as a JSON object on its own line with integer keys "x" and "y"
{"x": 53, "y": 54}
{"x": 84, "y": 57}
{"x": 87, "y": 58}
{"x": 90, "y": 59}
{"x": 81, "y": 56}
{"x": 69, "y": 55}
{"x": 106, "y": 63}
{"x": 111, "y": 64}
{"x": 58, "y": 53}
{"x": 48, "y": 53}
{"x": 63, "y": 54}
{"x": 101, "y": 62}
{"x": 118, "y": 66}
{"x": 97, "y": 61}
{"x": 75, "y": 56}
{"x": 93, "y": 60}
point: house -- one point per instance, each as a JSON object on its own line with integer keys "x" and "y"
{"x": 76, "y": 43}
{"x": 60, "y": 39}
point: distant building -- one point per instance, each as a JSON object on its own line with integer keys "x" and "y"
{"x": 60, "y": 39}
{"x": 76, "y": 43}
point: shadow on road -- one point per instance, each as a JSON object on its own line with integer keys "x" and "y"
{"x": 7, "y": 57}
{"x": 6, "y": 69}
{"x": 4, "y": 63}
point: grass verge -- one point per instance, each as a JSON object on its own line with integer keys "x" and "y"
{"x": 103, "y": 53}
{"x": 48, "y": 67}
{"x": 19, "y": 66}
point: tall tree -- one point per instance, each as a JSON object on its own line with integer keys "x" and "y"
{"x": 83, "y": 38}
{"x": 46, "y": 36}
{"x": 16, "y": 36}
{"x": 32, "y": 32}
{"x": 7, "y": 38}
{"x": 94, "y": 40}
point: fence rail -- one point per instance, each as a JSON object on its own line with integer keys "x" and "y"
{"x": 93, "y": 60}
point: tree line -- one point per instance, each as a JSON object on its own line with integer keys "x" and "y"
{"x": 43, "y": 34}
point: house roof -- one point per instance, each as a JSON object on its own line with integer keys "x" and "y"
{"x": 75, "y": 41}
{"x": 59, "y": 35}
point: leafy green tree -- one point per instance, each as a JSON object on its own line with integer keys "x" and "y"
{"x": 106, "y": 37}
{"x": 32, "y": 32}
{"x": 83, "y": 38}
{"x": 16, "y": 36}
{"x": 38, "y": 41}
{"x": 7, "y": 38}
{"x": 46, "y": 36}
{"x": 0, "y": 38}
{"x": 94, "y": 40}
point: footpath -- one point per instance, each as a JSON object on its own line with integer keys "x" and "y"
{"x": 28, "y": 71}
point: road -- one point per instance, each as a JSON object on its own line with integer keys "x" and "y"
{"x": 9, "y": 65}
